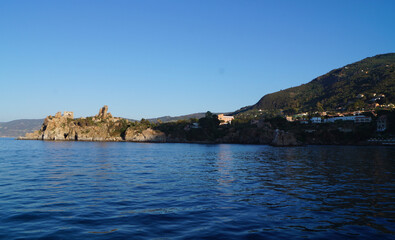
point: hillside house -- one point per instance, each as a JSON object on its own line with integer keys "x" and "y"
{"x": 356, "y": 119}
{"x": 343, "y": 118}
{"x": 225, "y": 119}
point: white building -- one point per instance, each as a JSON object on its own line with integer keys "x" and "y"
{"x": 316, "y": 120}
{"x": 362, "y": 119}
{"x": 344, "y": 118}
{"x": 382, "y": 123}
{"x": 356, "y": 119}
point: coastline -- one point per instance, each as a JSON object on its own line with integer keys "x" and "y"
{"x": 103, "y": 127}
{"x": 364, "y": 143}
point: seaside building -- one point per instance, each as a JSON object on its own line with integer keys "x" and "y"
{"x": 362, "y": 119}
{"x": 356, "y": 119}
{"x": 382, "y": 123}
{"x": 316, "y": 120}
{"x": 225, "y": 119}
{"x": 343, "y": 118}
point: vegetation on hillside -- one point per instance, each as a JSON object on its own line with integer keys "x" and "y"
{"x": 353, "y": 87}
{"x": 205, "y": 129}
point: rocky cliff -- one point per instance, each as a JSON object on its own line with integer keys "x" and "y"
{"x": 261, "y": 135}
{"x": 282, "y": 138}
{"x": 102, "y": 127}
{"x": 353, "y": 86}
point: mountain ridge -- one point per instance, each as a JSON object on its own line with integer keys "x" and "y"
{"x": 337, "y": 89}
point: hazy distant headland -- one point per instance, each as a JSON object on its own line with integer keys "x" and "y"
{"x": 349, "y": 105}
{"x": 19, "y": 127}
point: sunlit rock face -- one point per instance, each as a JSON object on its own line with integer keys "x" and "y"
{"x": 147, "y": 135}
{"x": 102, "y": 127}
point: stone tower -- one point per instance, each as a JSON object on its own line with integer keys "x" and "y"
{"x": 102, "y": 112}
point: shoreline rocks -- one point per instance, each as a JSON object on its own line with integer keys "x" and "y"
{"x": 284, "y": 139}
{"x": 147, "y": 135}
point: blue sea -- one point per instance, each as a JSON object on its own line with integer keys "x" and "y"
{"x": 120, "y": 190}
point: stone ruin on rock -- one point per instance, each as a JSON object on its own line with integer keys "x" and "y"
{"x": 66, "y": 114}
{"x": 102, "y": 127}
{"x": 103, "y": 113}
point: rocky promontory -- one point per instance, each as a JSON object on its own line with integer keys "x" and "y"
{"x": 101, "y": 127}
{"x": 105, "y": 127}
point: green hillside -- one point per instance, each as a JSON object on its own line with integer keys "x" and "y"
{"x": 351, "y": 87}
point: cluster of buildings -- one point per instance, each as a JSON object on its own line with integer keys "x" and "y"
{"x": 303, "y": 118}
{"x": 356, "y": 119}
{"x": 382, "y": 123}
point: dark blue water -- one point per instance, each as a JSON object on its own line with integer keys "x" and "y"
{"x": 91, "y": 190}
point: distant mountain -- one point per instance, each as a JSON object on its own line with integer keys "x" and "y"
{"x": 355, "y": 85}
{"x": 182, "y": 117}
{"x": 19, "y": 127}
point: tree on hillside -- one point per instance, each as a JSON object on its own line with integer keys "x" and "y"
{"x": 319, "y": 107}
{"x": 209, "y": 122}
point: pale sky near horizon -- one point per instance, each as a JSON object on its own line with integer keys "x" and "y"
{"x": 149, "y": 59}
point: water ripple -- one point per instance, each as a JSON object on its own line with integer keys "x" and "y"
{"x": 82, "y": 190}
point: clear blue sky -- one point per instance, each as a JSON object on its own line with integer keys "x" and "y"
{"x": 154, "y": 58}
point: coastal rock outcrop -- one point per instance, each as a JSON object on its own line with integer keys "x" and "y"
{"x": 102, "y": 127}
{"x": 284, "y": 139}
{"x": 261, "y": 135}
{"x": 147, "y": 135}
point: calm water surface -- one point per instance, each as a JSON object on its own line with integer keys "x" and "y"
{"x": 91, "y": 190}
